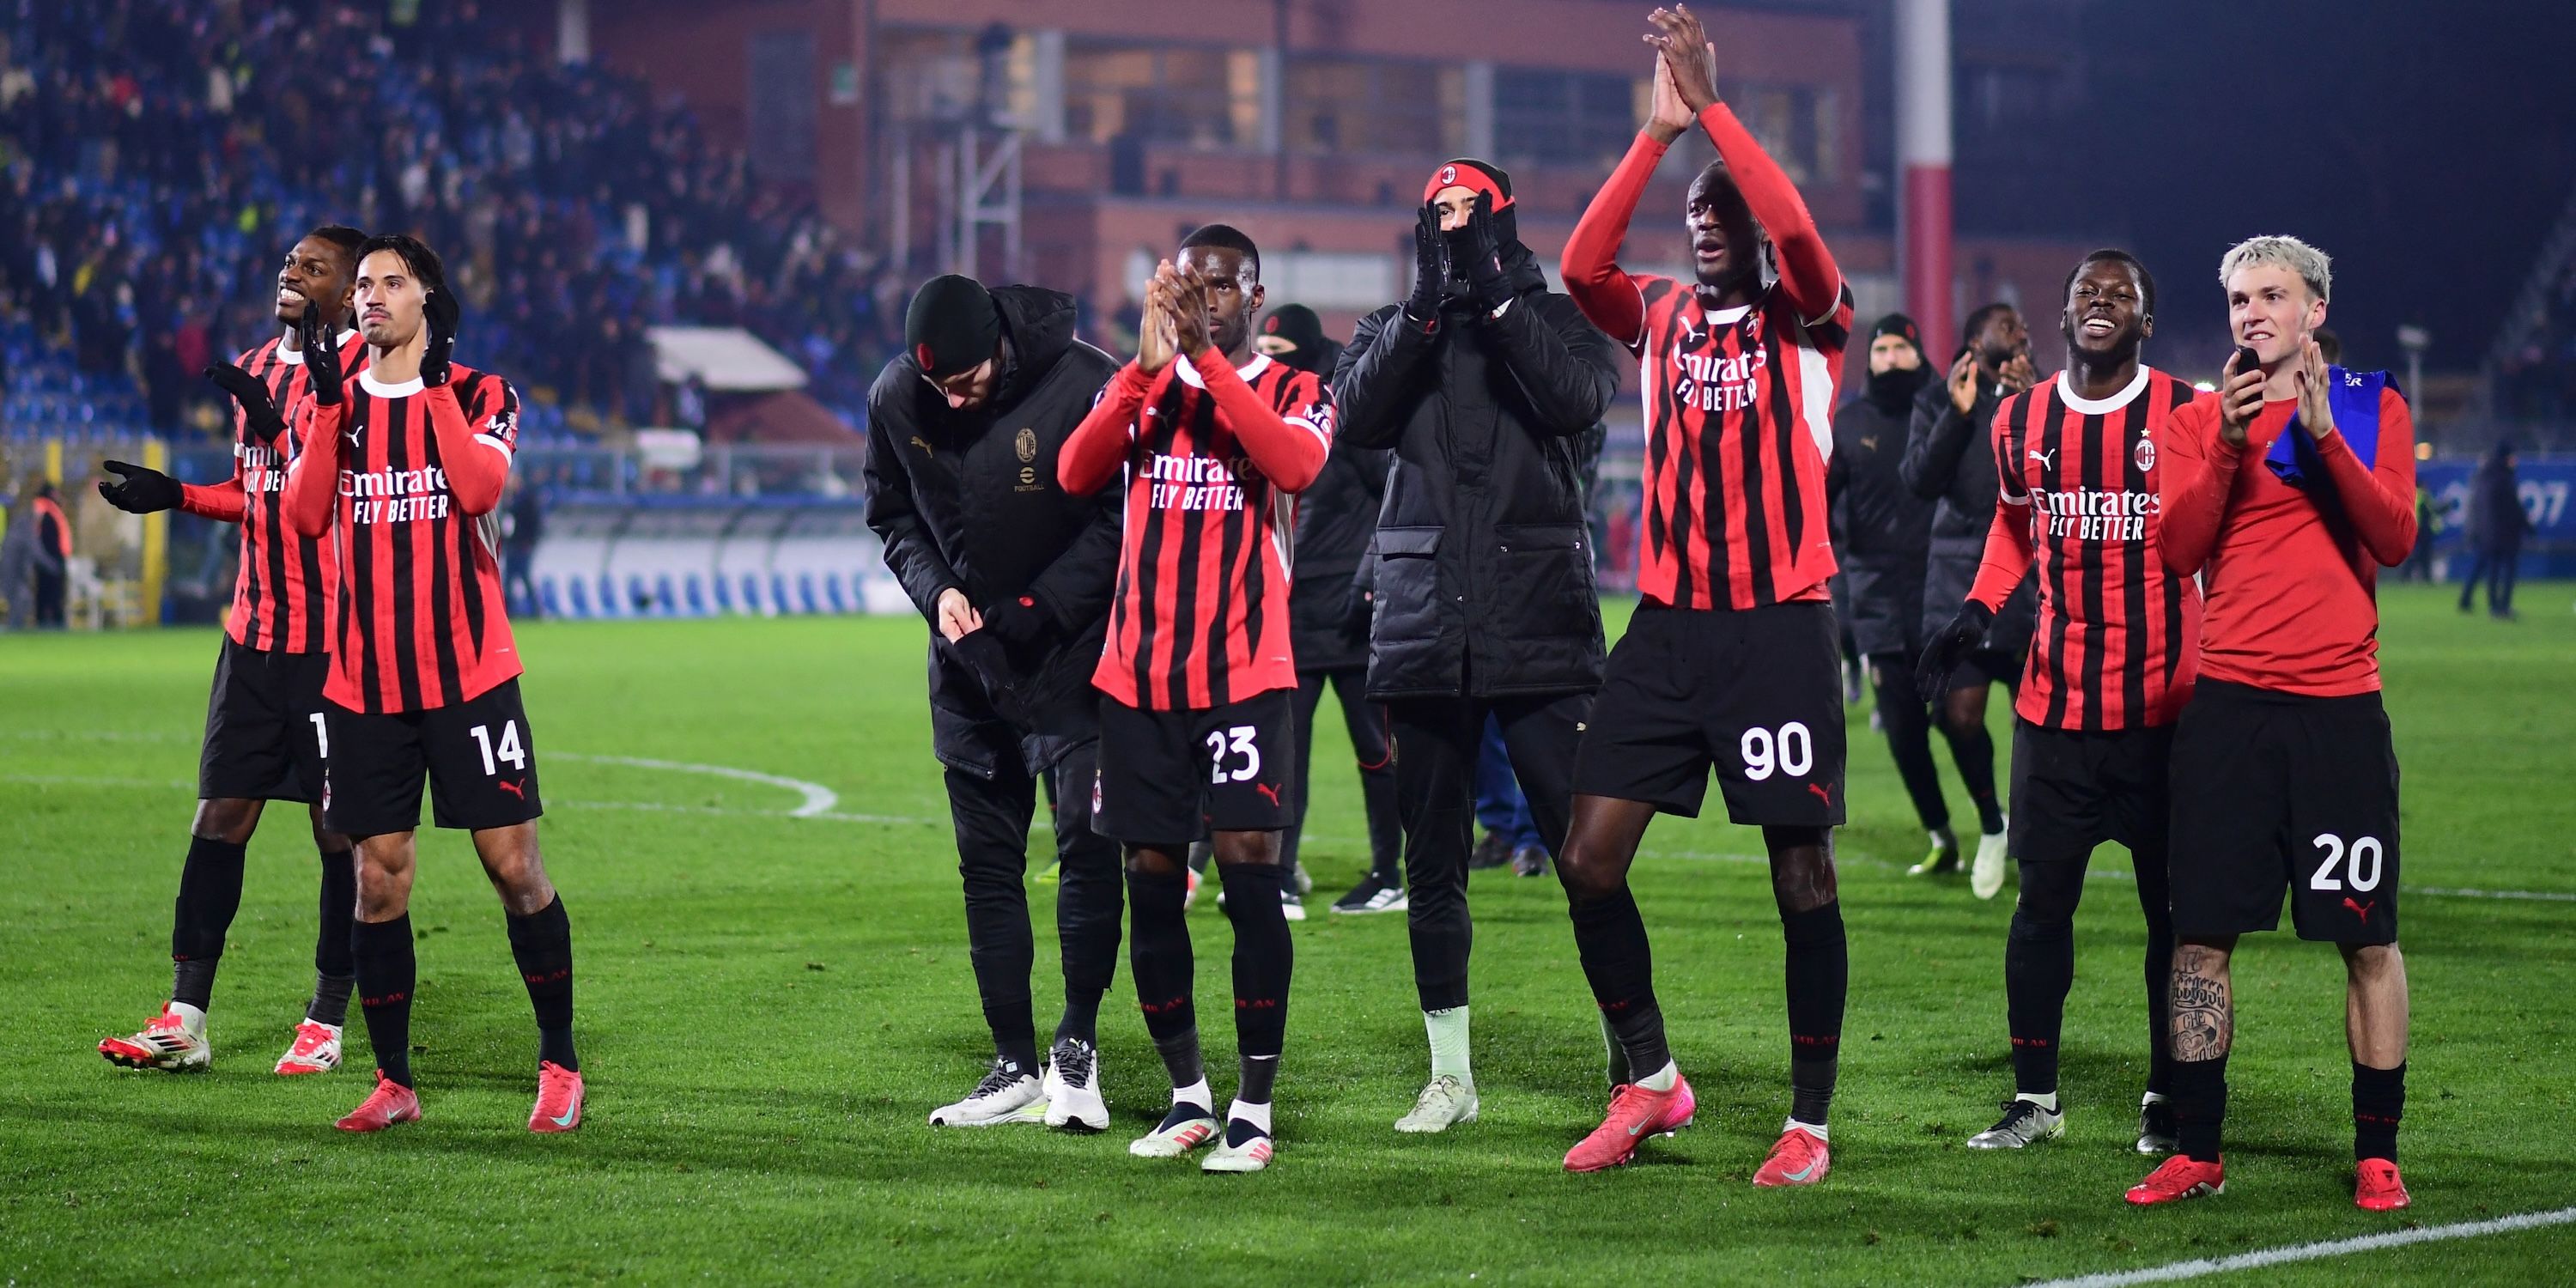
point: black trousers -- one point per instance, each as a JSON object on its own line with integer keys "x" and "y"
{"x": 1436, "y": 741}
{"x": 1371, "y": 743}
{"x": 49, "y": 599}
{"x": 992, "y": 819}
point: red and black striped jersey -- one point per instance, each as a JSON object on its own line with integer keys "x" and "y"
{"x": 1739, "y": 423}
{"x": 1212, "y": 463}
{"x": 2118, "y": 640}
{"x": 1739, "y": 401}
{"x": 282, "y": 595}
{"x": 408, "y": 483}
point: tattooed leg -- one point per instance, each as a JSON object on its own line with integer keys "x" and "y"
{"x": 2204, "y": 1011}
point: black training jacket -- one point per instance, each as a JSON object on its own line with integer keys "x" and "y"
{"x": 970, "y": 499}
{"x": 1950, "y": 460}
{"x": 1483, "y": 562}
{"x": 1883, "y": 530}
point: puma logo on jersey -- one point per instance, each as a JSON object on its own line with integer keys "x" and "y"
{"x": 1269, "y": 791}
{"x": 2044, "y": 457}
{"x": 516, "y": 789}
{"x": 918, "y": 441}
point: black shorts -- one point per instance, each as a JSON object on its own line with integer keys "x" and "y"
{"x": 1173, "y": 777}
{"x": 264, "y": 731}
{"x": 2273, "y": 790}
{"x": 1756, "y": 694}
{"x": 2073, "y": 790}
{"x": 479, "y": 756}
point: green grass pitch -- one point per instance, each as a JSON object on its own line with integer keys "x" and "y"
{"x": 770, "y": 1005}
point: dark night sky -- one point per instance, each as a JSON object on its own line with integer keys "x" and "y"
{"x": 2427, "y": 146}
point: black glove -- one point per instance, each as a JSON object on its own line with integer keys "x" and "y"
{"x": 1485, "y": 279}
{"x": 139, "y": 490}
{"x": 1950, "y": 646}
{"x": 1020, "y": 623}
{"x": 982, "y": 653}
{"x": 1430, "y": 267}
{"x": 321, "y": 357}
{"x": 439, "y": 313}
{"x": 259, "y": 414}
{"x": 1359, "y": 612}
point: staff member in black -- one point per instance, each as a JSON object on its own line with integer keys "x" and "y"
{"x": 1328, "y": 627}
{"x": 1948, "y": 461}
{"x": 1015, "y": 579}
{"x": 1883, "y": 534}
{"x": 1484, "y": 383}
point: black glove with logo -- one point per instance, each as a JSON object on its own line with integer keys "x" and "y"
{"x": 439, "y": 312}
{"x": 1485, "y": 279}
{"x": 1430, "y": 267}
{"x": 321, "y": 357}
{"x": 983, "y": 654}
{"x": 1020, "y": 623}
{"x": 259, "y": 414}
{"x": 138, "y": 489}
{"x": 1950, "y": 646}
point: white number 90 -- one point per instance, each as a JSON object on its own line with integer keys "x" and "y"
{"x": 1792, "y": 751}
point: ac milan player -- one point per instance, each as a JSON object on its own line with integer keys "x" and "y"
{"x": 1732, "y": 661}
{"x": 1197, "y": 676}
{"x": 2286, "y": 495}
{"x": 404, "y": 468}
{"x": 263, "y": 738}
{"x": 2076, "y": 461}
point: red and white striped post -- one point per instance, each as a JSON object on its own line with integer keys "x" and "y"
{"x": 1923, "y": 168}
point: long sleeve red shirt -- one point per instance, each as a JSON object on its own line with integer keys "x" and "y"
{"x": 2292, "y": 592}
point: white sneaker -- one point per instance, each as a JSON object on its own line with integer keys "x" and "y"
{"x": 170, "y": 1041}
{"x": 1072, "y": 1088}
{"x": 1986, "y": 878}
{"x": 1000, "y": 1098}
{"x": 1250, "y": 1156}
{"x": 1290, "y": 907}
{"x": 1183, "y": 1130}
{"x": 316, "y": 1049}
{"x": 2025, "y": 1123}
{"x": 1445, "y": 1101}
{"x": 1302, "y": 879}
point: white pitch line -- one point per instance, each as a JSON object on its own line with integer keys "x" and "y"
{"x": 819, "y": 799}
{"x": 2257, "y": 1260}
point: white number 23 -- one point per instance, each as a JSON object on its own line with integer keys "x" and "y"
{"x": 1238, "y": 740}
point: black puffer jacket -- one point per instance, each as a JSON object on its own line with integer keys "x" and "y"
{"x": 1950, "y": 459}
{"x": 969, "y": 499}
{"x": 1483, "y": 567}
{"x": 1882, "y": 529}
{"x": 1336, "y": 520}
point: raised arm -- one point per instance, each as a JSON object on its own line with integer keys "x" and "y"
{"x": 2196, "y": 476}
{"x": 313, "y": 479}
{"x": 1809, "y": 277}
{"x": 2380, "y": 499}
{"x": 1562, "y": 363}
{"x": 1372, "y": 380}
{"x": 1590, "y": 264}
{"x": 1289, "y": 449}
{"x": 1099, "y": 445}
{"x": 477, "y": 435}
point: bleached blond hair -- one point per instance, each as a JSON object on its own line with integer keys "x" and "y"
{"x": 2313, "y": 266}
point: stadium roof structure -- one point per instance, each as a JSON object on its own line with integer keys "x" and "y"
{"x": 727, "y": 359}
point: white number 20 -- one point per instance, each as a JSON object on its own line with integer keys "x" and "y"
{"x": 1792, "y": 751}
{"x": 508, "y": 753}
{"x": 1240, "y": 740}
{"x": 2349, "y": 860}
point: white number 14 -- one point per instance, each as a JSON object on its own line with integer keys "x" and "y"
{"x": 508, "y": 753}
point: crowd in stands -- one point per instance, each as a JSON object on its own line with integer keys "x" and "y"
{"x": 2537, "y": 382}
{"x": 158, "y": 157}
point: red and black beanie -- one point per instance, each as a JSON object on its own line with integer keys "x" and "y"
{"x": 1468, "y": 172}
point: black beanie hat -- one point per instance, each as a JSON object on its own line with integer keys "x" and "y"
{"x": 952, "y": 326}
{"x": 1899, "y": 325}
{"x": 1298, "y": 325}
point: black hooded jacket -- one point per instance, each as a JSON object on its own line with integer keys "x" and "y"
{"x": 969, "y": 499}
{"x": 1483, "y": 562}
{"x": 1950, "y": 460}
{"x": 1883, "y": 530}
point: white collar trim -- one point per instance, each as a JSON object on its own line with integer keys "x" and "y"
{"x": 367, "y": 381}
{"x": 2101, "y": 406}
{"x": 1190, "y": 373}
{"x": 295, "y": 357}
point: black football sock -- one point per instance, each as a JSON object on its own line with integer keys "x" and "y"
{"x": 1158, "y": 956}
{"x": 210, "y": 890}
{"x": 2378, "y": 1102}
{"x": 2039, "y": 968}
{"x": 333, "y": 970}
{"x": 387, "y": 974}
{"x": 2159, "y": 973}
{"x": 2200, "y": 1106}
{"x": 1610, "y": 937}
{"x": 1090, "y": 900}
{"x": 1819, "y": 972}
{"x": 1973, "y": 751}
{"x": 1264, "y": 958}
{"x": 541, "y": 943}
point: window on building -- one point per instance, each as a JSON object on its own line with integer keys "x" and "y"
{"x": 1794, "y": 123}
{"x": 1207, "y": 98}
{"x": 1562, "y": 117}
{"x": 1381, "y": 106}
